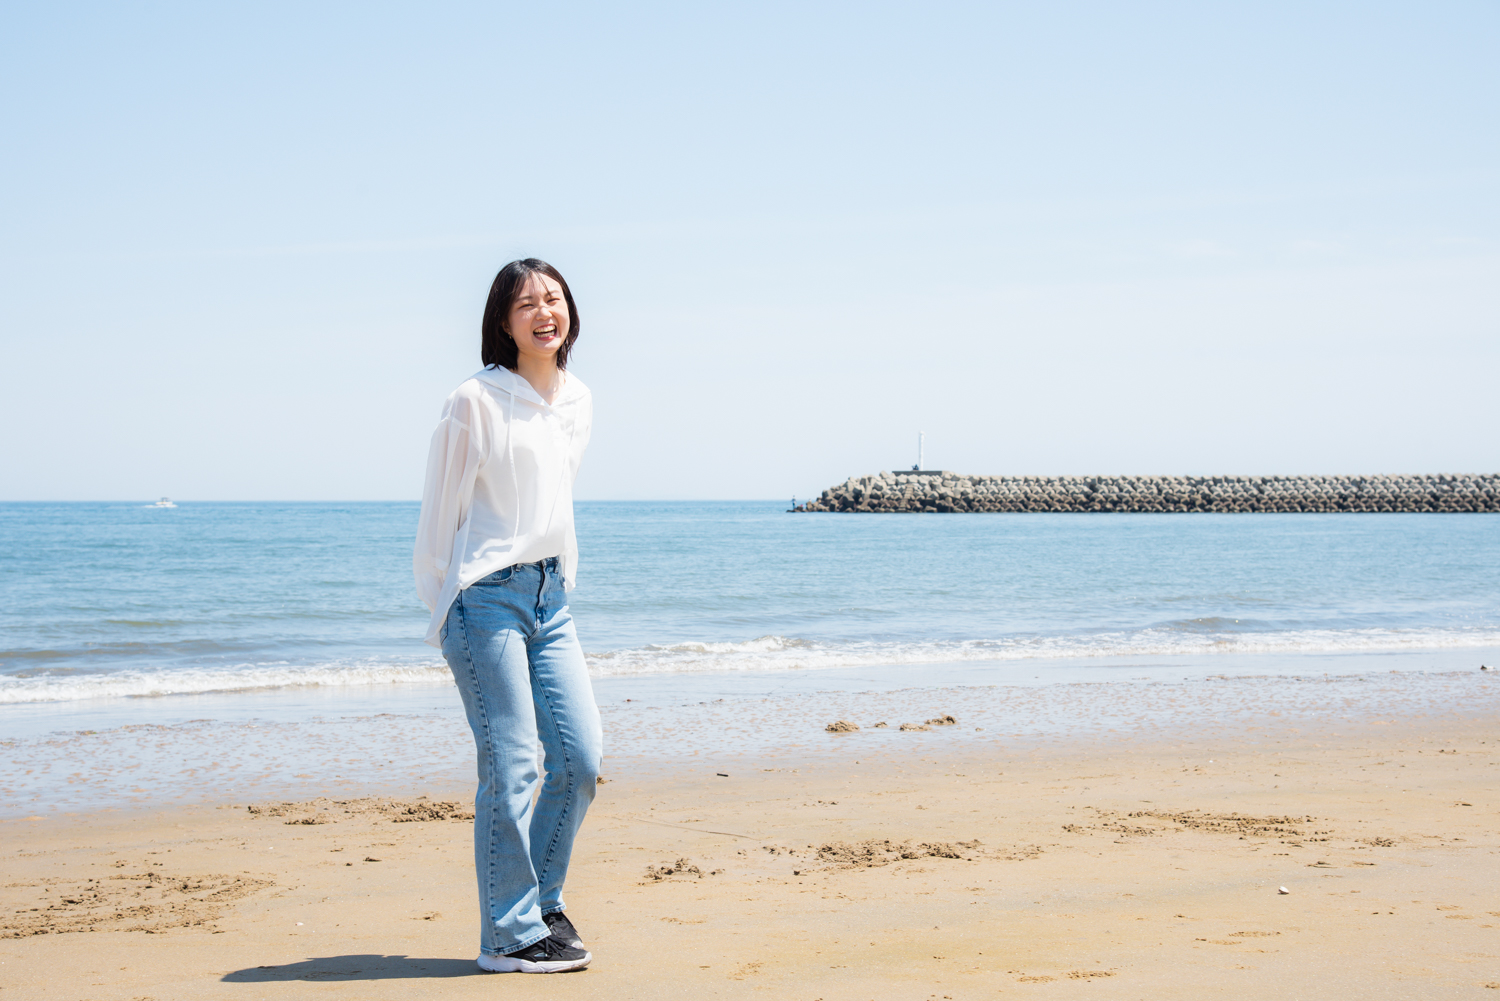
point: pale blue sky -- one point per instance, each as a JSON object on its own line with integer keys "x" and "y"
{"x": 246, "y": 247}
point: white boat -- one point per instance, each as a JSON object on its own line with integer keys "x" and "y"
{"x": 164, "y": 502}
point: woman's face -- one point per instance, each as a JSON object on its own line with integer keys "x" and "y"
{"x": 538, "y": 320}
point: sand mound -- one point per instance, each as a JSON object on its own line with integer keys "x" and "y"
{"x": 1228, "y": 823}
{"x": 841, "y": 726}
{"x": 444, "y": 810}
{"x": 1137, "y": 823}
{"x": 942, "y": 721}
{"x": 876, "y": 853}
{"x": 327, "y": 811}
{"x": 682, "y": 867}
{"x": 915, "y": 726}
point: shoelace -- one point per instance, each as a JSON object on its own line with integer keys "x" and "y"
{"x": 550, "y": 947}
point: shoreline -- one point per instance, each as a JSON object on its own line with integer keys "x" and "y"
{"x": 412, "y": 742}
{"x": 1140, "y": 863}
{"x": 312, "y": 700}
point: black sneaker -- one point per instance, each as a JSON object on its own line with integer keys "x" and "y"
{"x": 547, "y": 956}
{"x": 562, "y": 929}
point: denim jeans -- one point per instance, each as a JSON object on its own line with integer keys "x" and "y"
{"x": 510, "y": 643}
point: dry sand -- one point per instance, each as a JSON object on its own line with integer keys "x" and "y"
{"x": 933, "y": 869}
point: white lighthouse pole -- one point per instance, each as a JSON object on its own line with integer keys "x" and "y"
{"x": 921, "y": 436}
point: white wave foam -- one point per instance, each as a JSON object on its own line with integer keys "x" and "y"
{"x": 765, "y": 653}
{"x": 198, "y": 681}
{"x": 776, "y": 653}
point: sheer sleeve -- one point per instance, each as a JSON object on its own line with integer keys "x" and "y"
{"x": 453, "y": 461}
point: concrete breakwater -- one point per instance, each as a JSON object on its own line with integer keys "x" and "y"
{"x": 949, "y": 492}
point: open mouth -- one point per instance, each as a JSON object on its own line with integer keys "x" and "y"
{"x": 545, "y": 333}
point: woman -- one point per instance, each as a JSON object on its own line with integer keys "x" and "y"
{"x": 494, "y": 557}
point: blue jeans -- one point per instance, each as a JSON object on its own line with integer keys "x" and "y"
{"x": 510, "y": 643}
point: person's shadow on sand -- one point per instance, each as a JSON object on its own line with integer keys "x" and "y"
{"x": 366, "y": 966}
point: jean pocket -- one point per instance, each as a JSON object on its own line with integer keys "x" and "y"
{"x": 498, "y": 577}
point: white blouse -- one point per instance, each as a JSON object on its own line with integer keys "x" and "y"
{"x": 499, "y": 488}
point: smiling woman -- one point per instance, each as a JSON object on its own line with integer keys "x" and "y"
{"x": 524, "y": 321}
{"x": 495, "y": 556}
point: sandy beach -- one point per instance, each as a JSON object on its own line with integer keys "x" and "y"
{"x": 879, "y": 863}
{"x": 1011, "y": 479}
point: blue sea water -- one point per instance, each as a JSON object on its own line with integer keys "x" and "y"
{"x": 150, "y": 655}
{"x": 118, "y": 600}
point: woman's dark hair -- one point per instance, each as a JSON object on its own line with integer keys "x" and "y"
{"x": 496, "y": 349}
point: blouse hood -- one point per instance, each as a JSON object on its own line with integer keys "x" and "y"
{"x": 515, "y": 384}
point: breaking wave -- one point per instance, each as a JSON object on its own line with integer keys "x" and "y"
{"x": 1196, "y": 638}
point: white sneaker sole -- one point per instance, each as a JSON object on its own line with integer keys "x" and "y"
{"x": 506, "y": 964}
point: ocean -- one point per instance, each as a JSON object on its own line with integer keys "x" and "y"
{"x": 120, "y": 615}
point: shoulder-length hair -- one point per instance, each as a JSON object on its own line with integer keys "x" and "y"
{"x": 496, "y": 348}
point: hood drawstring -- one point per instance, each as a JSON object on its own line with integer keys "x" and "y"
{"x": 562, "y": 477}
{"x": 510, "y": 455}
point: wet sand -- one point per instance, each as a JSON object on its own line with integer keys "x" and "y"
{"x": 413, "y": 740}
{"x": 949, "y": 863}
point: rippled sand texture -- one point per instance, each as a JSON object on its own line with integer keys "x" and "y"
{"x": 876, "y": 863}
